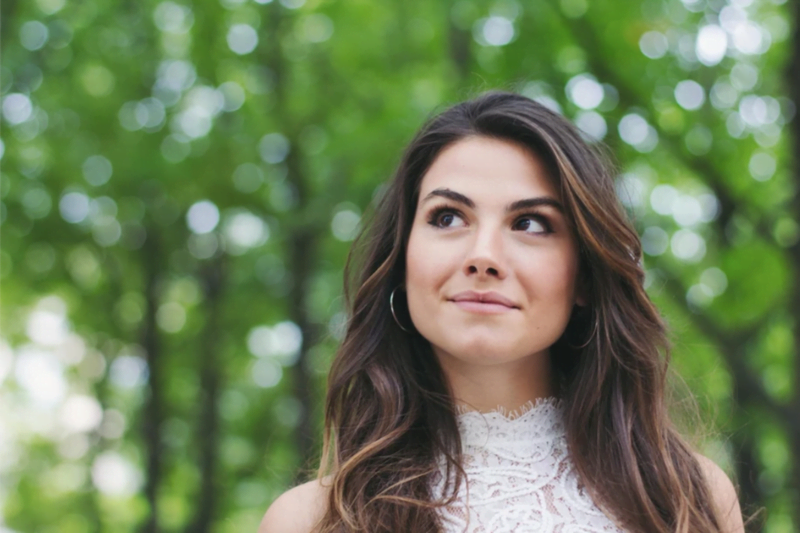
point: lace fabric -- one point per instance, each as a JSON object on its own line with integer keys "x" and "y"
{"x": 519, "y": 476}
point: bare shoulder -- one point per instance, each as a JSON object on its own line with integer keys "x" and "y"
{"x": 297, "y": 510}
{"x": 724, "y": 494}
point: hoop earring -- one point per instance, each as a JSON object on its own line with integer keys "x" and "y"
{"x": 588, "y": 340}
{"x": 391, "y": 306}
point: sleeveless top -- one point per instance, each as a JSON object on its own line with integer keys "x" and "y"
{"x": 519, "y": 476}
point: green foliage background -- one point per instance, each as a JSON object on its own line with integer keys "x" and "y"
{"x": 162, "y": 371}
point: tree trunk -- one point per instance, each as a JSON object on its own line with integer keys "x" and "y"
{"x": 213, "y": 278}
{"x": 301, "y": 249}
{"x": 793, "y": 87}
{"x": 301, "y": 261}
{"x": 153, "y": 409}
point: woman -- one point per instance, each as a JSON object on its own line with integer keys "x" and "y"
{"x": 502, "y": 368}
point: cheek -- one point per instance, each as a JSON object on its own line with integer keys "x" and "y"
{"x": 426, "y": 266}
{"x": 417, "y": 279}
{"x": 551, "y": 278}
{"x": 427, "y": 271}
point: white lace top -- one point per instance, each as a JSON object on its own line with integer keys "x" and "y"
{"x": 519, "y": 476}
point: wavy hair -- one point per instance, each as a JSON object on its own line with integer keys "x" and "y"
{"x": 389, "y": 413}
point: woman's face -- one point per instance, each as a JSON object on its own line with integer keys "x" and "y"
{"x": 489, "y": 221}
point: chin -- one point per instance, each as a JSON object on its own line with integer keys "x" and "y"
{"x": 481, "y": 350}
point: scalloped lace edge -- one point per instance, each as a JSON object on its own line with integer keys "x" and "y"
{"x": 511, "y": 414}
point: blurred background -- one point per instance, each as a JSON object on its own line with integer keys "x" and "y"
{"x": 181, "y": 183}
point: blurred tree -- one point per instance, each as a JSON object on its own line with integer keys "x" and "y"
{"x": 181, "y": 182}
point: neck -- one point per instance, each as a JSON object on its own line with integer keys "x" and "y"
{"x": 507, "y": 385}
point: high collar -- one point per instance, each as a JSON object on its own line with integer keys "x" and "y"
{"x": 534, "y": 421}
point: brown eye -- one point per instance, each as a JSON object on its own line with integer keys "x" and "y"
{"x": 534, "y": 224}
{"x": 444, "y": 218}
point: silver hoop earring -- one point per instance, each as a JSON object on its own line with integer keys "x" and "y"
{"x": 585, "y": 343}
{"x": 391, "y": 306}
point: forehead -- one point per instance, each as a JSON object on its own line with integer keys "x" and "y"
{"x": 489, "y": 170}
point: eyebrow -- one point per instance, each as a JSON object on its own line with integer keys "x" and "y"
{"x": 525, "y": 203}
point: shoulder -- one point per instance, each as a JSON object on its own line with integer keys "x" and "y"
{"x": 724, "y": 494}
{"x": 297, "y": 510}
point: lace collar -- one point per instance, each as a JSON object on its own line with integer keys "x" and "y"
{"x": 532, "y": 422}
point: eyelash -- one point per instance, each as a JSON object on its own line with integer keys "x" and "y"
{"x": 433, "y": 217}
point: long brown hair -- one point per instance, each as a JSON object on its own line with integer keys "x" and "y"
{"x": 389, "y": 415}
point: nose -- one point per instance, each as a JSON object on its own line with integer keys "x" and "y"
{"x": 484, "y": 259}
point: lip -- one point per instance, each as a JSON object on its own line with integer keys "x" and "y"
{"x": 483, "y": 301}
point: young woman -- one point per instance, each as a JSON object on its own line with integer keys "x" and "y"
{"x": 503, "y": 369}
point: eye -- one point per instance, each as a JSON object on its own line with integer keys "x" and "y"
{"x": 537, "y": 224}
{"x": 444, "y": 217}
